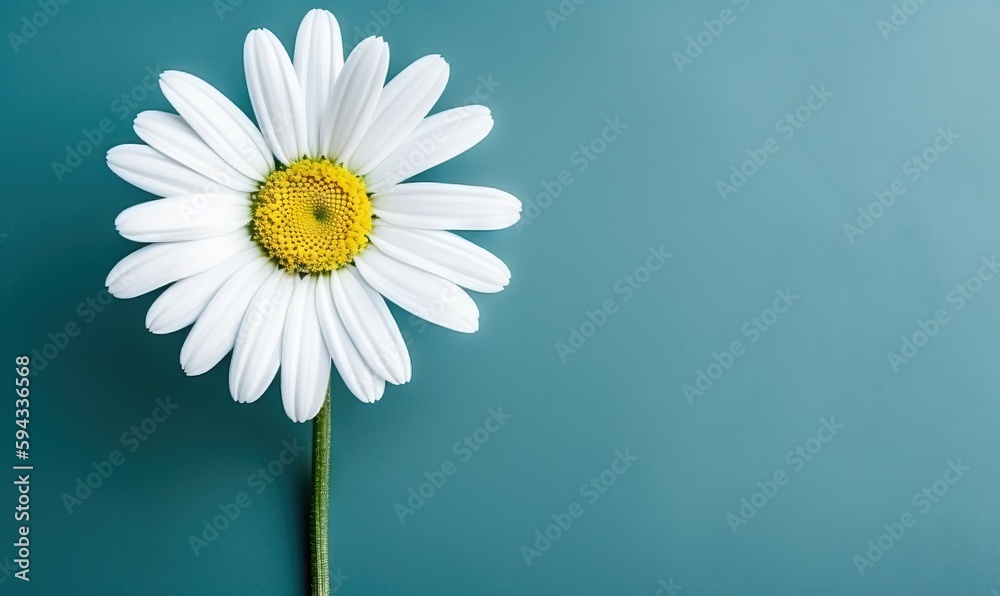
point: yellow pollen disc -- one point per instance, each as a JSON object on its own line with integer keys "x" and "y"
{"x": 312, "y": 216}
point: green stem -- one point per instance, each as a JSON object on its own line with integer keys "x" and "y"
{"x": 319, "y": 510}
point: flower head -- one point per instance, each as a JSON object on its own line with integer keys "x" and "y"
{"x": 280, "y": 239}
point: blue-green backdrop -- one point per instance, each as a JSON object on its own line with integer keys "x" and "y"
{"x": 865, "y": 410}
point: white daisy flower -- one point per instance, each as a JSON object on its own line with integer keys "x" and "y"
{"x": 281, "y": 241}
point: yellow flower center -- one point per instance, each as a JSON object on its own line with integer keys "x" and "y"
{"x": 312, "y": 216}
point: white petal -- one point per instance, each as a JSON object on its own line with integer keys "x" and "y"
{"x": 377, "y": 339}
{"x": 172, "y": 136}
{"x": 365, "y": 385}
{"x": 148, "y": 169}
{"x": 276, "y": 96}
{"x": 214, "y": 333}
{"x": 192, "y": 217}
{"x": 181, "y": 304}
{"x": 319, "y": 57}
{"x": 157, "y": 265}
{"x": 433, "y": 206}
{"x": 389, "y": 323}
{"x": 426, "y": 295}
{"x": 404, "y": 103}
{"x": 219, "y": 123}
{"x": 353, "y": 98}
{"x": 444, "y": 254}
{"x": 257, "y": 353}
{"x": 436, "y": 139}
{"x": 305, "y": 361}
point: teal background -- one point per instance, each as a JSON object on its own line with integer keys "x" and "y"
{"x": 665, "y": 519}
